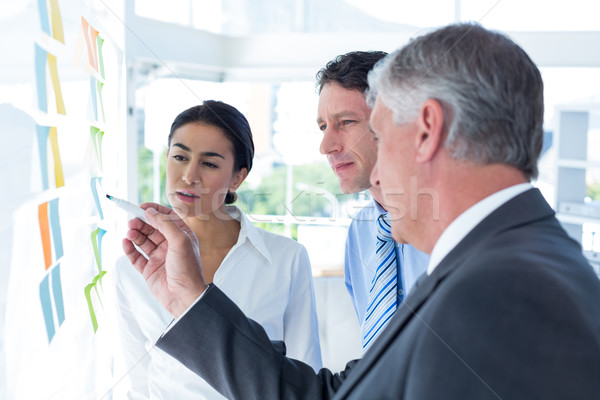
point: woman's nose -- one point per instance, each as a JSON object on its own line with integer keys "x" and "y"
{"x": 191, "y": 174}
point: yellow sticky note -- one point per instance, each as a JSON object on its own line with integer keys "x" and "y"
{"x": 57, "y": 28}
{"x": 58, "y": 171}
{"x": 60, "y": 105}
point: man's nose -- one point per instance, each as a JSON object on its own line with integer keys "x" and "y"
{"x": 330, "y": 142}
{"x": 375, "y": 175}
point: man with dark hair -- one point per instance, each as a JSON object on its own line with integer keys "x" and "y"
{"x": 343, "y": 117}
{"x": 508, "y": 309}
{"x": 349, "y": 70}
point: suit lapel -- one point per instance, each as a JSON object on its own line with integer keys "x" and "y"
{"x": 407, "y": 310}
{"x": 522, "y": 209}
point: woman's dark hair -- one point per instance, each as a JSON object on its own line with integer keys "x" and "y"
{"x": 233, "y": 124}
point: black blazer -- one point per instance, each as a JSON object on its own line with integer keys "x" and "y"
{"x": 513, "y": 312}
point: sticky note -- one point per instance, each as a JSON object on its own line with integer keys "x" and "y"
{"x": 42, "y": 133}
{"x": 99, "y": 86}
{"x": 45, "y": 134}
{"x": 50, "y": 231}
{"x": 43, "y": 13}
{"x": 98, "y": 282}
{"x": 100, "y": 43}
{"x": 90, "y": 48}
{"x": 56, "y": 231}
{"x": 94, "y": 182}
{"x": 97, "y": 235}
{"x": 40, "y": 78}
{"x": 88, "y": 296}
{"x": 47, "y": 307}
{"x": 52, "y": 67}
{"x": 57, "y": 28}
{"x": 57, "y": 294}
{"x": 94, "y": 99}
{"x": 58, "y": 170}
{"x": 93, "y": 36}
{"x": 97, "y": 136}
{"x": 45, "y": 233}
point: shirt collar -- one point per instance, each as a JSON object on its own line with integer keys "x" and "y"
{"x": 380, "y": 209}
{"x": 249, "y": 231}
{"x": 461, "y": 226}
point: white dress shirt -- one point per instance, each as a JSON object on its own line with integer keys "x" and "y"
{"x": 469, "y": 219}
{"x": 268, "y": 276}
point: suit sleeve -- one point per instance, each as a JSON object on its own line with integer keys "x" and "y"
{"x": 235, "y": 356}
{"x": 300, "y": 326}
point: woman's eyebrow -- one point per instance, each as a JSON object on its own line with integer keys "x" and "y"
{"x": 203, "y": 154}
{"x": 183, "y": 146}
{"x": 211, "y": 154}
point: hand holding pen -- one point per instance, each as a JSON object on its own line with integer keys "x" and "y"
{"x": 172, "y": 270}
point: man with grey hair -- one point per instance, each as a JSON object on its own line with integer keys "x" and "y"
{"x": 508, "y": 309}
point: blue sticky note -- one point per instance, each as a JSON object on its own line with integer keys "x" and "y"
{"x": 42, "y": 139}
{"x": 97, "y": 235}
{"x": 57, "y": 293}
{"x": 55, "y": 226}
{"x": 40, "y": 78}
{"x": 43, "y": 12}
{"x": 95, "y": 194}
{"x": 94, "y": 99}
{"x": 101, "y": 233}
{"x": 47, "y": 307}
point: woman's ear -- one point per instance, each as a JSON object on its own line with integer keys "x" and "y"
{"x": 237, "y": 179}
{"x": 430, "y": 137}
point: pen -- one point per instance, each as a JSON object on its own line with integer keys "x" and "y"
{"x": 129, "y": 207}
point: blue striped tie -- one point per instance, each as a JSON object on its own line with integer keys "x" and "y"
{"x": 383, "y": 296}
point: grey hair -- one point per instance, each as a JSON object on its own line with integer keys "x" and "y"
{"x": 490, "y": 91}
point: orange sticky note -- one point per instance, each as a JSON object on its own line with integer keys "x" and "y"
{"x": 45, "y": 233}
{"x": 93, "y": 40}
{"x": 85, "y": 26}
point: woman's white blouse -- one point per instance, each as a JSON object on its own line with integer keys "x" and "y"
{"x": 268, "y": 276}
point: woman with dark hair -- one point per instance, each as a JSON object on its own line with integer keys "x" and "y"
{"x": 210, "y": 151}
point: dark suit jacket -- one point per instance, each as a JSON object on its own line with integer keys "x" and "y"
{"x": 513, "y": 312}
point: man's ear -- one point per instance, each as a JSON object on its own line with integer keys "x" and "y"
{"x": 430, "y": 136}
{"x": 238, "y": 179}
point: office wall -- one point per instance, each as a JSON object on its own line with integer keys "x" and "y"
{"x": 62, "y": 130}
